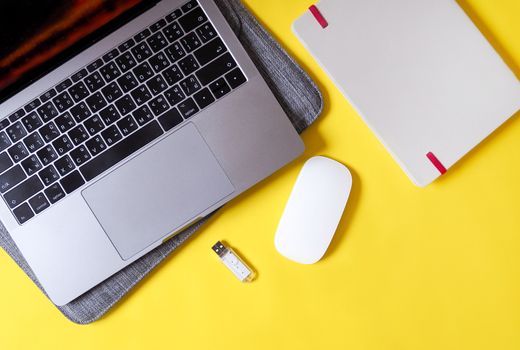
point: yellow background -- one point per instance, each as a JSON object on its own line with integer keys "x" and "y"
{"x": 409, "y": 268}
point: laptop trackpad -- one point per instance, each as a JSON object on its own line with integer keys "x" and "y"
{"x": 158, "y": 192}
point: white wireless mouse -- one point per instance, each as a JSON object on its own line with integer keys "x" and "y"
{"x": 314, "y": 210}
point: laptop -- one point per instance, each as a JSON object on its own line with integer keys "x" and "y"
{"x": 122, "y": 123}
{"x": 419, "y": 72}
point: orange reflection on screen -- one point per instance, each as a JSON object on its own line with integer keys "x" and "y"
{"x": 80, "y": 18}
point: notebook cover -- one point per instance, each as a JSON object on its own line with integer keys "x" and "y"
{"x": 419, "y": 72}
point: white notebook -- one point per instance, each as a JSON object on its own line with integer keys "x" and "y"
{"x": 419, "y": 72}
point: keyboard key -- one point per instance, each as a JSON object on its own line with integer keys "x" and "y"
{"x": 125, "y": 105}
{"x": 65, "y": 122}
{"x": 142, "y": 35}
{"x": 72, "y": 182}
{"x": 193, "y": 19}
{"x": 16, "y": 132}
{"x": 235, "y": 78}
{"x": 95, "y": 65}
{"x": 80, "y": 155}
{"x": 31, "y": 165}
{"x": 175, "y": 52}
{"x": 128, "y": 82}
{"x": 215, "y": 69}
{"x": 174, "y": 95}
{"x": 94, "y": 82}
{"x": 127, "y": 45}
{"x": 159, "y": 105}
{"x": 190, "y": 85}
{"x": 62, "y": 145}
{"x": 141, "y": 95}
{"x": 174, "y": 15}
{"x": 47, "y": 155}
{"x": 33, "y": 142}
{"x": 49, "y": 132}
{"x": 48, "y": 112}
{"x": 127, "y": 125}
{"x": 109, "y": 115}
{"x": 79, "y": 75}
{"x": 23, "y": 213}
{"x": 63, "y": 101}
{"x": 78, "y": 91}
{"x": 5, "y": 162}
{"x": 54, "y": 193}
{"x": 189, "y": 6}
{"x": 16, "y": 115}
{"x": 32, "y": 121}
{"x": 23, "y": 191}
{"x": 32, "y": 105}
{"x": 157, "y": 85}
{"x": 112, "y": 92}
{"x": 111, "y": 135}
{"x": 4, "y": 123}
{"x": 170, "y": 119}
{"x": 188, "y": 65}
{"x": 126, "y": 61}
{"x": 142, "y": 51}
{"x": 158, "y": 25}
{"x": 120, "y": 151}
{"x": 110, "y": 72}
{"x": 11, "y": 178}
{"x": 110, "y": 55}
{"x": 173, "y": 75}
{"x": 159, "y": 62}
{"x": 49, "y": 175}
{"x": 191, "y": 42}
{"x": 80, "y": 112}
{"x": 4, "y": 141}
{"x": 143, "y": 115}
{"x": 188, "y": 108}
{"x": 96, "y": 102}
{"x": 39, "y": 203}
{"x": 219, "y": 88}
{"x": 204, "y": 98}
{"x": 206, "y": 32}
{"x": 64, "y": 85}
{"x": 18, "y": 152}
{"x": 143, "y": 72}
{"x": 173, "y": 32}
{"x": 94, "y": 125}
{"x": 210, "y": 51}
{"x": 96, "y": 145}
{"x": 78, "y": 135}
{"x": 157, "y": 42}
{"x": 48, "y": 95}
{"x": 64, "y": 165}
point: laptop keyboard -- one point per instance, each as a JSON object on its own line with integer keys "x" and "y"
{"x": 111, "y": 108}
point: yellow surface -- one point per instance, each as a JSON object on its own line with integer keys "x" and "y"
{"x": 409, "y": 268}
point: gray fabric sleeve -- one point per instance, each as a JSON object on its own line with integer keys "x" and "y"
{"x": 299, "y": 97}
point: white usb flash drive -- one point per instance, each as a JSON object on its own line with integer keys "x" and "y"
{"x": 234, "y": 263}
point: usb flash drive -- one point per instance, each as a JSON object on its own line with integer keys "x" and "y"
{"x": 233, "y": 262}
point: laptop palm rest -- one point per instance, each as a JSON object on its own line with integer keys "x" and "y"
{"x": 158, "y": 192}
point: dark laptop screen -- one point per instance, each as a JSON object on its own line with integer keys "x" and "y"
{"x": 34, "y": 34}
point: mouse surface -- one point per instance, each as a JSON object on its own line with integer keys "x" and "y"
{"x": 314, "y": 210}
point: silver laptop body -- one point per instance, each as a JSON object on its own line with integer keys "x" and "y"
{"x": 161, "y": 170}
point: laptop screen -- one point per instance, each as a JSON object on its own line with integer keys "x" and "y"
{"x": 36, "y": 35}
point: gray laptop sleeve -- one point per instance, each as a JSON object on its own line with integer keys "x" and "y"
{"x": 300, "y": 99}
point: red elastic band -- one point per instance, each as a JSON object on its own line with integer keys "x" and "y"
{"x": 437, "y": 163}
{"x": 319, "y": 17}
